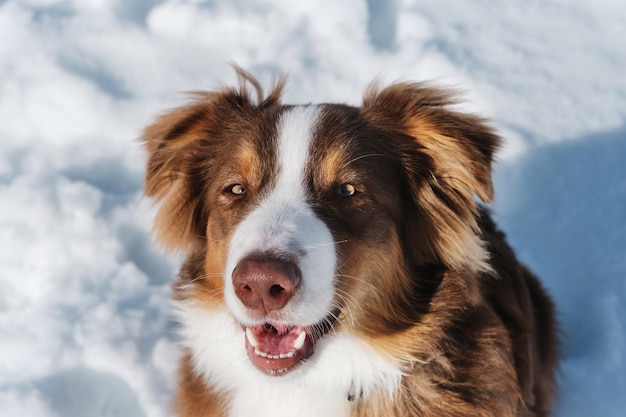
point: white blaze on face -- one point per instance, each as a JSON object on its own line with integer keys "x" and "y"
{"x": 283, "y": 222}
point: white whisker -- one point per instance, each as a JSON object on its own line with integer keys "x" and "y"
{"x": 361, "y": 157}
{"x": 325, "y": 244}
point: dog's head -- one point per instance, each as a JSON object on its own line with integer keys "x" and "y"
{"x": 299, "y": 220}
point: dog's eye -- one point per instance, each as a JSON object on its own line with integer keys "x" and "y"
{"x": 346, "y": 190}
{"x": 237, "y": 189}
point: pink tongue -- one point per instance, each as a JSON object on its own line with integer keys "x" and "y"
{"x": 271, "y": 348}
{"x": 274, "y": 340}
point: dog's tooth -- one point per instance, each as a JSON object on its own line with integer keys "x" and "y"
{"x": 251, "y": 338}
{"x": 288, "y": 354}
{"x": 260, "y": 353}
{"x": 299, "y": 342}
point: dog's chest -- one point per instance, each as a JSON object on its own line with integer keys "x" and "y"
{"x": 287, "y": 401}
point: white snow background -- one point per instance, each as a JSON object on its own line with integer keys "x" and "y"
{"x": 85, "y": 329}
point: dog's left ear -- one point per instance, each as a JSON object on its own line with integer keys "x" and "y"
{"x": 447, "y": 156}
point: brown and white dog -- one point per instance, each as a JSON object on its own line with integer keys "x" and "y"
{"x": 338, "y": 264}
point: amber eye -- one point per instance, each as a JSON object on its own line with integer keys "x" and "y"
{"x": 237, "y": 189}
{"x": 346, "y": 190}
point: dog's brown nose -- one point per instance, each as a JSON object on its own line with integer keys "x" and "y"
{"x": 265, "y": 283}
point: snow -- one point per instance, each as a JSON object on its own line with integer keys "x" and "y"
{"x": 85, "y": 323}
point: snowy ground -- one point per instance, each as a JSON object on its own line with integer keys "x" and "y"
{"x": 84, "y": 324}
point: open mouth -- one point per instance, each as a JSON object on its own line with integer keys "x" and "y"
{"x": 276, "y": 349}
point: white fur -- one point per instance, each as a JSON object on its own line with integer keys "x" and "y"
{"x": 284, "y": 222}
{"x": 342, "y": 365}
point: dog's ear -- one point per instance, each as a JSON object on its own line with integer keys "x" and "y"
{"x": 447, "y": 156}
{"x": 181, "y": 155}
{"x": 172, "y": 142}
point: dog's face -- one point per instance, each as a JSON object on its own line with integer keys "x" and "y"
{"x": 302, "y": 220}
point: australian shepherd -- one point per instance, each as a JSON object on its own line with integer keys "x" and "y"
{"x": 339, "y": 263}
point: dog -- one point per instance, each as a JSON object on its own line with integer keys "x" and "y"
{"x": 339, "y": 261}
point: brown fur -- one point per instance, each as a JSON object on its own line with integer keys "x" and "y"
{"x": 471, "y": 327}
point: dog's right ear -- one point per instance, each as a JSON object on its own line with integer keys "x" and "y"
{"x": 180, "y": 147}
{"x": 172, "y": 141}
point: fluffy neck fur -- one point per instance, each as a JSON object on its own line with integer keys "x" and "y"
{"x": 343, "y": 368}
